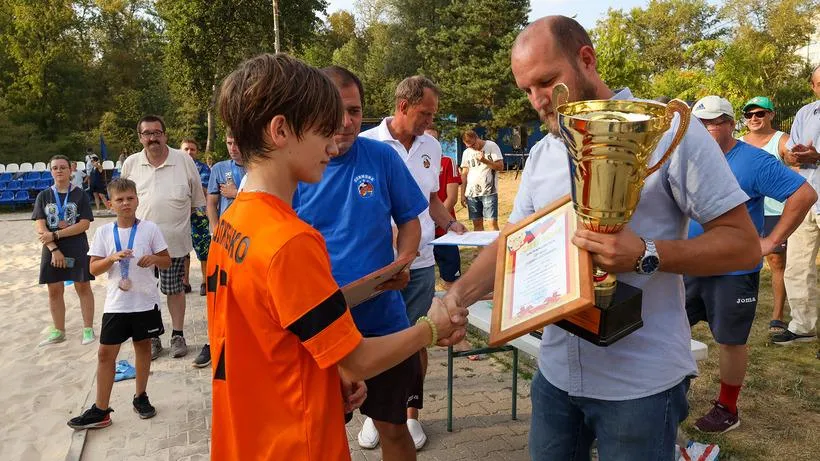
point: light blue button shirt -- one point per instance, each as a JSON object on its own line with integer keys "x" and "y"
{"x": 805, "y": 129}
{"x": 695, "y": 183}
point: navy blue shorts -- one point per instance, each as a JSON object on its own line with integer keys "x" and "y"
{"x": 448, "y": 260}
{"x": 726, "y": 302}
{"x": 768, "y": 226}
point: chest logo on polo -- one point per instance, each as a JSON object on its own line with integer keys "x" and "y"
{"x": 425, "y": 160}
{"x": 365, "y": 185}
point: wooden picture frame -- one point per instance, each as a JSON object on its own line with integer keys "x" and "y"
{"x": 523, "y": 305}
{"x": 363, "y": 289}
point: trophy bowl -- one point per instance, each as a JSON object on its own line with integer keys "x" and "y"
{"x": 610, "y": 143}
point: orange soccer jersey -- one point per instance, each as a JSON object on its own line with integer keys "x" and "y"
{"x": 277, "y": 324}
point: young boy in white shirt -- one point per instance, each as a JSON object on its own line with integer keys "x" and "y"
{"x": 127, "y": 250}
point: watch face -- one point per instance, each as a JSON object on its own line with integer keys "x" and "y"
{"x": 650, "y": 264}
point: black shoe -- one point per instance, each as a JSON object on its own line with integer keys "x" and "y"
{"x": 143, "y": 407}
{"x": 93, "y": 418}
{"x": 186, "y": 287}
{"x": 202, "y": 291}
{"x": 788, "y": 337}
{"x": 204, "y": 358}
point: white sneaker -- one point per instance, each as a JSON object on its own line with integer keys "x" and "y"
{"x": 417, "y": 432}
{"x": 368, "y": 436}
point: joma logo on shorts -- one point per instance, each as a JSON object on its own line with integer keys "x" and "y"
{"x": 746, "y": 300}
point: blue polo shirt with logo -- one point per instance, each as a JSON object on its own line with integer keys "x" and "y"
{"x": 352, "y": 206}
{"x": 760, "y": 175}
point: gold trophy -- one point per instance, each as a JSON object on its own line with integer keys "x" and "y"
{"x": 610, "y": 143}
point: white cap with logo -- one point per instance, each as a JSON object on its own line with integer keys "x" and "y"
{"x": 711, "y": 107}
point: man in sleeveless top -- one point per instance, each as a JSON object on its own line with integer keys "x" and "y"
{"x": 758, "y": 114}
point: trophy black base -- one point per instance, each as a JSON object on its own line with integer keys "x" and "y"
{"x": 603, "y": 327}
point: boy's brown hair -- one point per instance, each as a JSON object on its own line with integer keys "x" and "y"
{"x": 276, "y": 84}
{"x": 120, "y": 185}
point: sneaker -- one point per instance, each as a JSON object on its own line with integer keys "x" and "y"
{"x": 143, "y": 407}
{"x": 88, "y": 336}
{"x": 202, "y": 291}
{"x": 417, "y": 432}
{"x": 93, "y": 418}
{"x": 178, "y": 347}
{"x": 54, "y": 336}
{"x": 204, "y": 358}
{"x": 368, "y": 436}
{"x": 156, "y": 348}
{"x": 787, "y": 337}
{"x": 718, "y": 420}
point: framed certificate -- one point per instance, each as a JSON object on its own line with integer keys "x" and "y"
{"x": 541, "y": 277}
{"x": 365, "y": 288}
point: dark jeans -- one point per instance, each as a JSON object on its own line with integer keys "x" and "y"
{"x": 563, "y": 427}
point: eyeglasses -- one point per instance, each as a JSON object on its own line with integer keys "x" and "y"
{"x": 152, "y": 134}
{"x": 714, "y": 121}
{"x": 758, "y": 114}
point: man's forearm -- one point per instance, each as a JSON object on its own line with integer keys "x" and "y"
{"x": 795, "y": 209}
{"x": 408, "y": 238}
{"x": 439, "y": 214}
{"x": 729, "y": 243}
{"x": 213, "y": 216}
{"x": 478, "y": 280}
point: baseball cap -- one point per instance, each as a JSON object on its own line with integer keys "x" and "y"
{"x": 759, "y": 101}
{"x": 711, "y": 107}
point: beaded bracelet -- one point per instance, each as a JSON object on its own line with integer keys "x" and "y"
{"x": 433, "y": 329}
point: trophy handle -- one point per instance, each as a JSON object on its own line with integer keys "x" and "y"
{"x": 559, "y": 91}
{"x": 675, "y": 105}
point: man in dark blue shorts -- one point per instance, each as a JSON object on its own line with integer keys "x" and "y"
{"x": 728, "y": 302}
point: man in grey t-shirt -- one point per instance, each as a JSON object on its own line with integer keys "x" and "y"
{"x": 800, "y": 276}
{"x": 631, "y": 396}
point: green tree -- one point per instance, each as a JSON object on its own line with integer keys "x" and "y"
{"x": 619, "y": 58}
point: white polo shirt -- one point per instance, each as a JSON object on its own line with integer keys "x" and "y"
{"x": 424, "y": 162}
{"x": 167, "y": 193}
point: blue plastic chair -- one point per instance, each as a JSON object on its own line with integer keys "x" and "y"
{"x": 46, "y": 175}
{"x": 32, "y": 176}
{"x": 6, "y": 176}
{"x": 42, "y": 184}
{"x": 29, "y": 184}
{"x": 3, "y": 185}
{"x": 22, "y": 198}
{"x": 7, "y": 198}
{"x": 14, "y": 185}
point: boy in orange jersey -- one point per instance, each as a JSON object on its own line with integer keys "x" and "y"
{"x": 281, "y": 334}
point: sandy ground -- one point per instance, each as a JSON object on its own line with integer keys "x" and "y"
{"x": 42, "y": 387}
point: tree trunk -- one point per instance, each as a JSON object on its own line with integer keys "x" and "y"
{"x": 276, "y": 25}
{"x": 210, "y": 141}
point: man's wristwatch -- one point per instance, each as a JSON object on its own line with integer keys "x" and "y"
{"x": 648, "y": 263}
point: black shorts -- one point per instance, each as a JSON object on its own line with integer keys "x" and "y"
{"x": 726, "y": 302}
{"x": 448, "y": 260}
{"x": 390, "y": 393}
{"x": 118, "y": 327}
{"x": 768, "y": 226}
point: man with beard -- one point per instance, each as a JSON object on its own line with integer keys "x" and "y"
{"x": 169, "y": 189}
{"x": 631, "y": 395}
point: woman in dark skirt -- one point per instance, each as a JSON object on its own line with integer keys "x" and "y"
{"x": 62, "y": 215}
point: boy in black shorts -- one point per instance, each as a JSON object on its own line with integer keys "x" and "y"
{"x": 127, "y": 250}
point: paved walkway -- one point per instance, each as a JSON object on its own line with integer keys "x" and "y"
{"x": 182, "y": 395}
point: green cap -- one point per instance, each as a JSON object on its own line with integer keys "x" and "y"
{"x": 759, "y": 101}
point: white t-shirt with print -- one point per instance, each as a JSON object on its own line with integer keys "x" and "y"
{"x": 481, "y": 179}
{"x": 144, "y": 292}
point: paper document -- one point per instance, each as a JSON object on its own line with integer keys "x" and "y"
{"x": 467, "y": 239}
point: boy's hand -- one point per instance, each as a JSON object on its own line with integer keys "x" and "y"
{"x": 120, "y": 255}
{"x": 146, "y": 261}
{"x": 353, "y": 394}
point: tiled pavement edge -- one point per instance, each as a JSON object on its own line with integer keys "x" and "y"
{"x": 482, "y": 428}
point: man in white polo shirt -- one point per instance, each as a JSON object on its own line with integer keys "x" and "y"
{"x": 168, "y": 187}
{"x": 416, "y": 105}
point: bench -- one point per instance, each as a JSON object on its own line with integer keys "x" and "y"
{"x": 480, "y": 315}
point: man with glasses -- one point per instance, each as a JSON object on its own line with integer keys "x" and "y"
{"x": 169, "y": 189}
{"x": 801, "y": 269}
{"x": 758, "y": 114}
{"x": 728, "y": 302}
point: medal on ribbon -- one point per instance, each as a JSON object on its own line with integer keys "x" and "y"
{"x": 125, "y": 282}
{"x": 61, "y": 207}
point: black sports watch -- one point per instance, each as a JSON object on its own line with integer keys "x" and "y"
{"x": 648, "y": 263}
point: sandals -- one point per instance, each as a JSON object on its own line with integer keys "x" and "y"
{"x": 777, "y": 327}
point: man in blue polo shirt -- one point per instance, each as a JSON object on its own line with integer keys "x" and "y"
{"x": 362, "y": 189}
{"x": 226, "y": 176}
{"x": 728, "y": 302}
